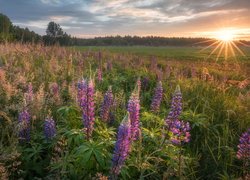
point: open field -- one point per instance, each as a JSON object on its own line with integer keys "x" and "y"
{"x": 122, "y": 113}
{"x": 168, "y": 53}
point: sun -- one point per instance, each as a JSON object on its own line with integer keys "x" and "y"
{"x": 225, "y": 35}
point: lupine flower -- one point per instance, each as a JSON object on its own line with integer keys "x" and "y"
{"x": 86, "y": 102}
{"x": 24, "y": 122}
{"x": 145, "y": 83}
{"x": 49, "y": 128}
{"x": 134, "y": 110}
{"x": 99, "y": 74}
{"x": 122, "y": 146}
{"x": 89, "y": 121}
{"x": 176, "y": 106}
{"x": 82, "y": 94}
{"x": 54, "y": 89}
{"x": 156, "y": 102}
{"x": 244, "y": 146}
{"x": 180, "y": 131}
{"x": 106, "y": 105}
{"x": 138, "y": 82}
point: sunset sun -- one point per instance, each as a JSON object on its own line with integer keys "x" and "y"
{"x": 225, "y": 35}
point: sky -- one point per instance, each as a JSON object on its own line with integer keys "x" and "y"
{"x": 168, "y": 18}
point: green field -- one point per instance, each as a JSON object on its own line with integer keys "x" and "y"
{"x": 168, "y": 53}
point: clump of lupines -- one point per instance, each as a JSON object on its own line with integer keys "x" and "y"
{"x": 49, "y": 128}
{"x": 106, "y": 105}
{"x": 134, "y": 110}
{"x": 156, "y": 102}
{"x": 176, "y": 106}
{"x": 244, "y": 146}
{"x": 180, "y": 131}
{"x": 122, "y": 146}
{"x": 24, "y": 123}
{"x": 86, "y": 101}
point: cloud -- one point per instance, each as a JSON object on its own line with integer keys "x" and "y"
{"x": 135, "y": 17}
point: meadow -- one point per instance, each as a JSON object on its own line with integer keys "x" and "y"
{"x": 123, "y": 113}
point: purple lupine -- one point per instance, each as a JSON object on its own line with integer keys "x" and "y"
{"x": 24, "y": 123}
{"x": 106, "y": 105}
{"x": 138, "y": 83}
{"x": 156, "y": 102}
{"x": 99, "y": 74}
{"x": 134, "y": 110}
{"x": 54, "y": 89}
{"x": 145, "y": 83}
{"x": 244, "y": 146}
{"x": 176, "y": 106}
{"x": 122, "y": 146}
{"x": 90, "y": 113}
{"x": 82, "y": 95}
{"x": 180, "y": 132}
{"x": 86, "y": 101}
{"x": 49, "y": 128}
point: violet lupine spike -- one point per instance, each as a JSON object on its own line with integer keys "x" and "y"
{"x": 134, "y": 110}
{"x": 24, "y": 123}
{"x": 145, "y": 83}
{"x": 49, "y": 128}
{"x": 180, "y": 131}
{"x": 138, "y": 82}
{"x": 82, "y": 94}
{"x": 244, "y": 146}
{"x": 122, "y": 146}
{"x": 86, "y": 101}
{"x": 156, "y": 102}
{"x": 106, "y": 105}
{"x": 99, "y": 74}
{"x": 90, "y": 113}
{"x": 176, "y": 106}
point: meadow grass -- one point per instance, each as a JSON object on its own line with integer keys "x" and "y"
{"x": 215, "y": 96}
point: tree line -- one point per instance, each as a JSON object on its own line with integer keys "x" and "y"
{"x": 56, "y": 35}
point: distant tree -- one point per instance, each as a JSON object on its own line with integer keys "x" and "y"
{"x": 54, "y": 30}
{"x": 5, "y": 24}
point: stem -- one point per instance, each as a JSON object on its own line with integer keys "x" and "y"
{"x": 179, "y": 170}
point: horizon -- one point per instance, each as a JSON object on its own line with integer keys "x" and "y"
{"x": 94, "y": 18}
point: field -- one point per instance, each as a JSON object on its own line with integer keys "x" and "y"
{"x": 123, "y": 113}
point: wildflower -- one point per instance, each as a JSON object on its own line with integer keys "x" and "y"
{"x": 244, "y": 146}
{"x": 49, "y": 128}
{"x": 145, "y": 83}
{"x": 121, "y": 146}
{"x": 138, "y": 83}
{"x": 134, "y": 109}
{"x": 156, "y": 102}
{"x": 106, "y": 105}
{"x": 24, "y": 122}
{"x": 176, "y": 106}
{"x": 85, "y": 98}
{"x": 180, "y": 132}
{"x": 99, "y": 74}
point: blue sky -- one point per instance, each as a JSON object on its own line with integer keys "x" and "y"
{"x": 89, "y": 18}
